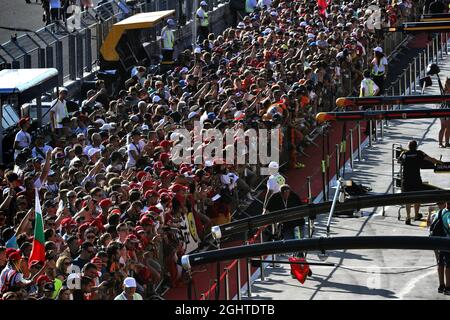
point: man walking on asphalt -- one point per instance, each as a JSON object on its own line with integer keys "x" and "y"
{"x": 411, "y": 162}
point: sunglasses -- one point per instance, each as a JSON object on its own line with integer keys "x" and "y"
{"x": 67, "y": 263}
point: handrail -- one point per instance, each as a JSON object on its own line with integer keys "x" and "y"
{"x": 319, "y": 244}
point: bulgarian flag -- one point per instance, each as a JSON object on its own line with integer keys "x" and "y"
{"x": 38, "y": 250}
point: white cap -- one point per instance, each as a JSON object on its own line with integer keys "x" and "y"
{"x": 170, "y": 22}
{"x": 273, "y": 165}
{"x": 274, "y": 13}
{"x": 63, "y": 89}
{"x": 93, "y": 151}
{"x": 129, "y": 282}
{"x": 203, "y": 3}
{"x": 174, "y": 136}
{"x": 156, "y": 99}
{"x": 197, "y": 50}
{"x": 106, "y": 127}
{"x": 184, "y": 70}
{"x": 100, "y": 122}
{"x": 192, "y": 114}
{"x": 145, "y": 127}
{"x": 241, "y": 25}
{"x": 378, "y": 49}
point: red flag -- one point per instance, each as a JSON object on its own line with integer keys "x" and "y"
{"x": 323, "y": 5}
{"x": 300, "y": 271}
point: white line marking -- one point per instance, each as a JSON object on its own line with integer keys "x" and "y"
{"x": 411, "y": 284}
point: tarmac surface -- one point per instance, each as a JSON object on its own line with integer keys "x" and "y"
{"x": 372, "y": 274}
{"x": 19, "y": 14}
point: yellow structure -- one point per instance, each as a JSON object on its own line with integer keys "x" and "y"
{"x": 138, "y": 21}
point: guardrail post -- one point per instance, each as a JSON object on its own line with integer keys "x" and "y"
{"x": 338, "y": 169}
{"x": 238, "y": 279}
{"x": 227, "y": 284}
{"x": 404, "y": 82}
{"x": 420, "y": 65}
{"x": 80, "y": 56}
{"x": 49, "y": 57}
{"x": 249, "y": 275}
{"x": 446, "y": 43}
{"x": 376, "y": 126}
{"x": 273, "y": 255}
{"x": 88, "y": 41}
{"x": 410, "y": 78}
{"x": 27, "y": 61}
{"x": 41, "y": 58}
{"x": 72, "y": 57}
{"x": 262, "y": 258}
{"x": 59, "y": 61}
{"x": 351, "y": 149}
{"x": 428, "y": 56}
{"x": 433, "y": 45}
{"x": 415, "y": 74}
{"x": 358, "y": 128}
{"x": 381, "y": 125}
{"x": 370, "y": 133}
{"x": 441, "y": 45}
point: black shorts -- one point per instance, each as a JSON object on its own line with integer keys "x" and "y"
{"x": 444, "y": 258}
{"x": 413, "y": 187}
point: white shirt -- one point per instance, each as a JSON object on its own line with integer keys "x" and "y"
{"x": 138, "y": 148}
{"x": 275, "y": 182}
{"x": 267, "y": 3}
{"x": 23, "y": 139}
{"x": 379, "y": 68}
{"x": 60, "y": 110}
{"x": 44, "y": 150}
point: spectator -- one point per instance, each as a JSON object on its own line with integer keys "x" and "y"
{"x": 23, "y": 138}
{"x": 129, "y": 290}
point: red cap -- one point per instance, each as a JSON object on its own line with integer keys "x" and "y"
{"x": 165, "y": 143}
{"x": 134, "y": 185}
{"x": 15, "y": 256}
{"x": 43, "y": 279}
{"x": 138, "y": 229}
{"x": 146, "y": 221}
{"x": 154, "y": 209}
{"x": 178, "y": 187}
{"x": 185, "y": 170}
{"x": 147, "y": 184}
{"x": 163, "y": 190}
{"x": 68, "y": 222}
{"x": 140, "y": 175}
{"x": 97, "y": 223}
{"x": 165, "y": 174}
{"x": 23, "y": 121}
{"x": 150, "y": 193}
{"x": 9, "y": 251}
{"x": 158, "y": 164}
{"x": 105, "y": 203}
{"x": 164, "y": 156}
{"x": 115, "y": 211}
{"x": 132, "y": 237}
{"x": 84, "y": 227}
{"x": 96, "y": 260}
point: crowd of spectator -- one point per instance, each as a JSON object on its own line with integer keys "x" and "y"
{"x": 118, "y": 212}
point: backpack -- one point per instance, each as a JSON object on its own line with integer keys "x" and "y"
{"x": 8, "y": 280}
{"x": 437, "y": 227}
